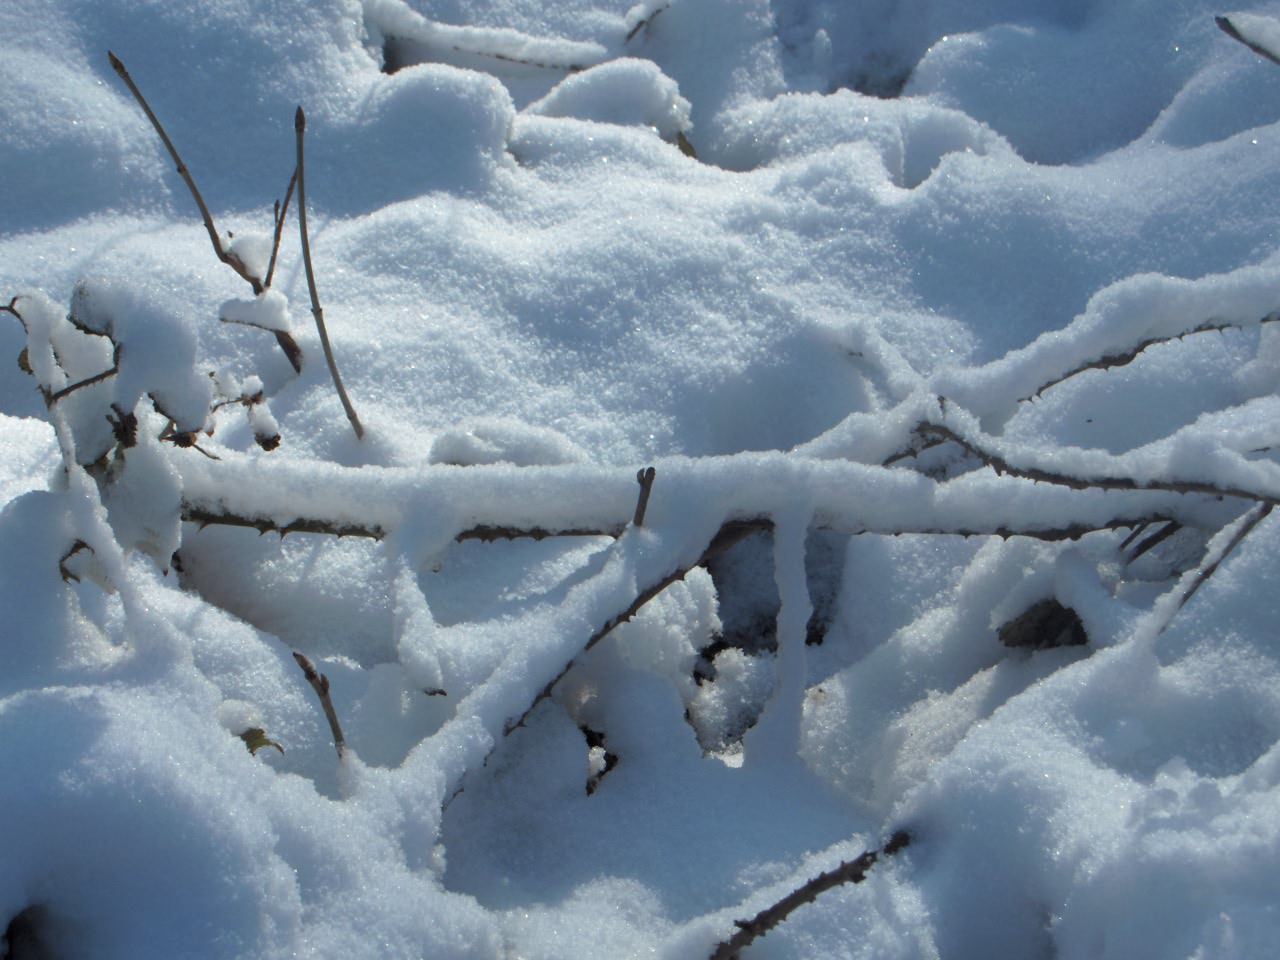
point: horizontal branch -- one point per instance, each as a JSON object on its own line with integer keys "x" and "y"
{"x": 485, "y": 533}
{"x": 1038, "y": 475}
{"x": 1125, "y": 357}
{"x": 850, "y": 871}
{"x": 206, "y": 517}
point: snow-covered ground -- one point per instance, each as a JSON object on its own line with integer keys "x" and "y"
{"x": 891, "y": 293}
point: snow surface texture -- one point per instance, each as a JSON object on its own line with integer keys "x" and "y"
{"x": 918, "y": 240}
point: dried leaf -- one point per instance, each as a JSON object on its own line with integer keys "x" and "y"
{"x": 255, "y": 738}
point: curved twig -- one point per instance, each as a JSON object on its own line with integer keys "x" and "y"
{"x": 1126, "y": 357}
{"x": 1038, "y": 475}
{"x": 1245, "y": 528}
{"x": 320, "y": 684}
{"x": 300, "y": 126}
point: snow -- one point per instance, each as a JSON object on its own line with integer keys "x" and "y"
{"x": 773, "y": 250}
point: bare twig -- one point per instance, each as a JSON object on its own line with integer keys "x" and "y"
{"x": 52, "y": 398}
{"x": 851, "y": 871}
{"x": 642, "y": 24}
{"x": 281, "y": 211}
{"x": 1036, "y": 474}
{"x": 914, "y": 450}
{"x": 488, "y": 534}
{"x": 226, "y": 256}
{"x": 76, "y": 547}
{"x": 1126, "y": 357}
{"x": 1258, "y": 514}
{"x": 320, "y": 684}
{"x": 283, "y": 338}
{"x": 728, "y": 535}
{"x": 205, "y": 517}
{"x": 1133, "y": 535}
{"x": 300, "y": 126}
{"x": 11, "y": 307}
{"x": 645, "y": 478}
{"x": 1157, "y": 538}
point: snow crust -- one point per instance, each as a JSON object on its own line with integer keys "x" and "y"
{"x": 1043, "y": 233}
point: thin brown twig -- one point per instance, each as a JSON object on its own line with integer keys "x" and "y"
{"x": 320, "y": 684}
{"x": 645, "y": 478}
{"x": 283, "y": 338}
{"x": 488, "y": 533}
{"x": 1133, "y": 535}
{"x": 1113, "y": 360}
{"x": 1157, "y": 538}
{"x": 226, "y": 256}
{"x": 11, "y": 307}
{"x": 850, "y": 871}
{"x": 52, "y": 398}
{"x": 1038, "y": 475}
{"x": 300, "y": 126}
{"x": 1245, "y": 528}
{"x": 281, "y": 211}
{"x": 728, "y": 535}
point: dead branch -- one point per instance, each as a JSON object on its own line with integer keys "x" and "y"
{"x": 1112, "y": 360}
{"x": 1157, "y": 538}
{"x": 642, "y": 24}
{"x": 728, "y": 535}
{"x": 281, "y": 211}
{"x": 507, "y": 58}
{"x": 205, "y": 516}
{"x": 1245, "y": 528}
{"x": 283, "y": 338}
{"x": 850, "y": 871}
{"x": 320, "y": 684}
{"x": 488, "y": 534}
{"x": 300, "y": 126}
{"x": 52, "y": 398}
{"x": 226, "y": 256}
{"x": 11, "y": 307}
{"x": 1037, "y": 475}
{"x": 645, "y": 478}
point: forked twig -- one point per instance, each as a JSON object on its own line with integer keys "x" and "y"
{"x": 300, "y": 126}
{"x": 281, "y": 211}
{"x": 283, "y": 338}
{"x": 320, "y": 684}
{"x": 850, "y": 871}
{"x": 645, "y": 478}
